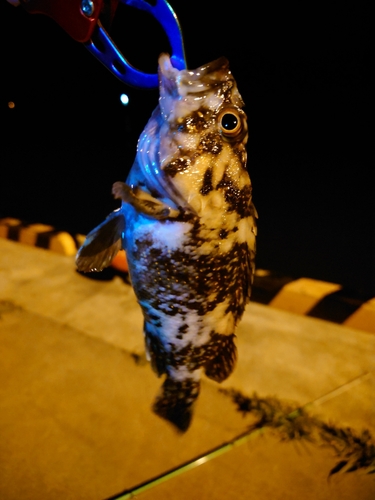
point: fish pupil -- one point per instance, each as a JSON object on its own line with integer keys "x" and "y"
{"x": 229, "y": 121}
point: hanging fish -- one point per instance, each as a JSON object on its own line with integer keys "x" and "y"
{"x": 187, "y": 224}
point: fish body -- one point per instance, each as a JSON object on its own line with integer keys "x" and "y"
{"x": 187, "y": 224}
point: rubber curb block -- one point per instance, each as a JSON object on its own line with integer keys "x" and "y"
{"x": 39, "y": 235}
{"x": 304, "y": 296}
{"x": 315, "y": 298}
{"x": 44, "y": 236}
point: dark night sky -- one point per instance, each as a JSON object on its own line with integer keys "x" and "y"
{"x": 303, "y": 70}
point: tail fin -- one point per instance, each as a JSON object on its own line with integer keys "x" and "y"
{"x": 175, "y": 401}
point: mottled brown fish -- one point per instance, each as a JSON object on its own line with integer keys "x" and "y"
{"x": 187, "y": 224}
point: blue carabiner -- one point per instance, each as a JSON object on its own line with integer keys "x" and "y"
{"x": 104, "y": 49}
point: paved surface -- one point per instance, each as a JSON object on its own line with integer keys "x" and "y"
{"x": 75, "y": 419}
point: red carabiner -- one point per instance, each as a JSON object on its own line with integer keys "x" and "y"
{"x": 77, "y": 17}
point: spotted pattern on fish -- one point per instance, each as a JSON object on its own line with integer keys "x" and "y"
{"x": 210, "y": 143}
{"x": 178, "y": 165}
{"x": 188, "y": 228}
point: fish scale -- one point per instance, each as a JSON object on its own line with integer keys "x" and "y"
{"x": 187, "y": 224}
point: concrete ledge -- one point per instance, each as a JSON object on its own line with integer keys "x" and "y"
{"x": 304, "y": 296}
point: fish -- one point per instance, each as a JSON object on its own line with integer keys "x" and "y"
{"x": 188, "y": 226}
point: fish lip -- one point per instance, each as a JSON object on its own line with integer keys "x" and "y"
{"x": 220, "y": 63}
{"x": 177, "y": 84}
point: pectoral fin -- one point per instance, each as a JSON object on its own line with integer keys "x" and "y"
{"x": 101, "y": 244}
{"x": 143, "y": 202}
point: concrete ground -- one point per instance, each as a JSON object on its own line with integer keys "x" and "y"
{"x": 76, "y": 392}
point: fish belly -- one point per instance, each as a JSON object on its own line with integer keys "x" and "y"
{"x": 192, "y": 295}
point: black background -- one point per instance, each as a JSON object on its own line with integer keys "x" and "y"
{"x": 303, "y": 70}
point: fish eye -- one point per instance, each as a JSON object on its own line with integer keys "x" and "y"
{"x": 230, "y": 122}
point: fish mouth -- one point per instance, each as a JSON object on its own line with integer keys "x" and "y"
{"x": 186, "y": 85}
{"x": 209, "y": 75}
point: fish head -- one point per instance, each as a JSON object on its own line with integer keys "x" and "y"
{"x": 183, "y": 92}
{"x": 197, "y": 135}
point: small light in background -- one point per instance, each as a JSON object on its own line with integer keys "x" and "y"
{"x": 11, "y": 105}
{"x": 124, "y": 98}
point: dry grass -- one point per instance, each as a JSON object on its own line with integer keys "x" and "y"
{"x": 355, "y": 451}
